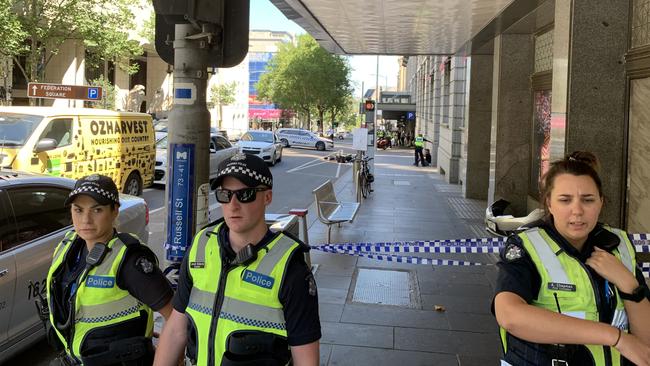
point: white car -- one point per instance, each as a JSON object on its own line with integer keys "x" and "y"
{"x": 299, "y": 137}
{"x": 220, "y": 150}
{"x": 33, "y": 220}
{"x": 263, "y": 144}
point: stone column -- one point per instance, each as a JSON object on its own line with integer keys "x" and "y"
{"x": 589, "y": 90}
{"x": 511, "y": 120}
{"x": 475, "y": 156}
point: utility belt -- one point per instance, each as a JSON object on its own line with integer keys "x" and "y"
{"x": 254, "y": 348}
{"x": 521, "y": 352}
{"x": 134, "y": 351}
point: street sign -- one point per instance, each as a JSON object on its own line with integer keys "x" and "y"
{"x": 60, "y": 91}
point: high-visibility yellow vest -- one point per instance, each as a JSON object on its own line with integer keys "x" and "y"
{"x": 419, "y": 141}
{"x": 99, "y": 302}
{"x": 568, "y": 278}
{"x": 246, "y": 296}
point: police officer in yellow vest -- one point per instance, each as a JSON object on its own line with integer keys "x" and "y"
{"x": 569, "y": 291}
{"x": 419, "y": 145}
{"x": 245, "y": 295}
{"x": 103, "y": 285}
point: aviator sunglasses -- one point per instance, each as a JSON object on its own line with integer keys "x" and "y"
{"x": 244, "y": 195}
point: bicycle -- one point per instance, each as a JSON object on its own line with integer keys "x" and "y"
{"x": 364, "y": 177}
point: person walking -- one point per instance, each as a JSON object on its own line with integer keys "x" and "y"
{"x": 569, "y": 291}
{"x": 245, "y": 292}
{"x": 419, "y": 145}
{"x": 103, "y": 285}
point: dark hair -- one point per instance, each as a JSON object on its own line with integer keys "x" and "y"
{"x": 577, "y": 163}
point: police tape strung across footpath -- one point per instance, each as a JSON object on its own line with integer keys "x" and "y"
{"x": 384, "y": 250}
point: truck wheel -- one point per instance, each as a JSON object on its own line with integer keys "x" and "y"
{"x": 133, "y": 185}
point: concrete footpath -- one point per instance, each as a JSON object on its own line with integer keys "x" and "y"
{"x": 384, "y": 313}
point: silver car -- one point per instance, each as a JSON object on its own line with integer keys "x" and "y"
{"x": 299, "y": 137}
{"x": 33, "y": 221}
{"x": 220, "y": 150}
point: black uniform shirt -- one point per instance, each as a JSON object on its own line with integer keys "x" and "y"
{"x": 520, "y": 275}
{"x": 144, "y": 282}
{"x": 300, "y": 306}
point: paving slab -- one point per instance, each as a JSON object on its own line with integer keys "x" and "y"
{"x": 355, "y": 356}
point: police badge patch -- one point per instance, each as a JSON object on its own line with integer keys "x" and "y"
{"x": 312, "y": 285}
{"x": 144, "y": 265}
{"x": 513, "y": 252}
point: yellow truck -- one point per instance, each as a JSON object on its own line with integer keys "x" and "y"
{"x": 74, "y": 142}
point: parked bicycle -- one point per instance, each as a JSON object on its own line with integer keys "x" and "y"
{"x": 364, "y": 177}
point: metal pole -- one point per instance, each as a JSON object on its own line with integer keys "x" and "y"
{"x": 187, "y": 188}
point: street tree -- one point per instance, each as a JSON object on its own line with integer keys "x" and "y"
{"x": 45, "y": 25}
{"x": 307, "y": 79}
{"x": 220, "y": 95}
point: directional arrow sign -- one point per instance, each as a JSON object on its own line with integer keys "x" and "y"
{"x": 60, "y": 91}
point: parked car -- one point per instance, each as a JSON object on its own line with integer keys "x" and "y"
{"x": 263, "y": 144}
{"x": 342, "y": 135}
{"x": 33, "y": 220}
{"x": 299, "y": 137}
{"x": 220, "y": 150}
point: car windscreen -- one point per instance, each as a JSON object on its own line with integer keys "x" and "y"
{"x": 258, "y": 136}
{"x": 162, "y": 143}
{"x": 160, "y": 126}
{"x": 15, "y": 129}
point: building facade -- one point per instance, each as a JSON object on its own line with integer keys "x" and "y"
{"x": 566, "y": 76}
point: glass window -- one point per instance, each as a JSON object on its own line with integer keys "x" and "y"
{"x": 38, "y": 211}
{"x": 541, "y": 139}
{"x": 222, "y": 143}
{"x": 162, "y": 143}
{"x": 7, "y": 226}
{"x": 15, "y": 129}
{"x": 59, "y": 130}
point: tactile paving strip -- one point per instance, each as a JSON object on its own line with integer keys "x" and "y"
{"x": 466, "y": 208}
{"x": 383, "y": 287}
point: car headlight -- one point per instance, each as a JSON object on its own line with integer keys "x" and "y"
{"x": 268, "y": 149}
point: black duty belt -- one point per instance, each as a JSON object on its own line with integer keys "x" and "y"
{"x": 124, "y": 351}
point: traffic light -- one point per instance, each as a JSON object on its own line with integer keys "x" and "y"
{"x": 369, "y": 105}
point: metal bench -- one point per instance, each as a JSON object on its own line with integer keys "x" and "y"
{"x": 330, "y": 210}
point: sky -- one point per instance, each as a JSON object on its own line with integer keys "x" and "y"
{"x": 266, "y": 16}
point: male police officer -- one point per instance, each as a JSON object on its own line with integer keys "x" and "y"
{"x": 419, "y": 144}
{"x": 247, "y": 294}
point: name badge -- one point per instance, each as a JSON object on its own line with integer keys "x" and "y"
{"x": 258, "y": 279}
{"x": 197, "y": 264}
{"x": 562, "y": 286}
{"x": 100, "y": 281}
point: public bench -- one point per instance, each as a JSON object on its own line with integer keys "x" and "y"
{"x": 330, "y": 210}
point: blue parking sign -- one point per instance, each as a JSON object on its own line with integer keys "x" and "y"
{"x": 93, "y": 93}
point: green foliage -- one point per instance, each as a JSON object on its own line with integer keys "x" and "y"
{"x": 103, "y": 26}
{"x": 307, "y": 79}
{"x": 12, "y": 34}
{"x": 220, "y": 95}
{"x": 109, "y": 94}
{"x": 148, "y": 30}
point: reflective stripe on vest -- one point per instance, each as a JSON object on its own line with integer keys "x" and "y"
{"x": 565, "y": 277}
{"x": 419, "y": 141}
{"x": 247, "y": 304}
{"x": 99, "y": 301}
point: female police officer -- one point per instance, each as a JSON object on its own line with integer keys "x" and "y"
{"x": 103, "y": 285}
{"x": 569, "y": 291}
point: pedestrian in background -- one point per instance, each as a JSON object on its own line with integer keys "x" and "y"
{"x": 419, "y": 145}
{"x": 245, "y": 292}
{"x": 103, "y": 286}
{"x": 569, "y": 291}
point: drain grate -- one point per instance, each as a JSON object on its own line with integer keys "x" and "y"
{"x": 383, "y": 287}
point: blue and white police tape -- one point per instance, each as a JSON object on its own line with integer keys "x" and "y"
{"x": 401, "y": 259}
{"x": 384, "y": 250}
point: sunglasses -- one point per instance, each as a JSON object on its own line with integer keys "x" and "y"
{"x": 244, "y": 195}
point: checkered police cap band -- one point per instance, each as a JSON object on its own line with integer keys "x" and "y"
{"x": 240, "y": 170}
{"x": 97, "y": 190}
